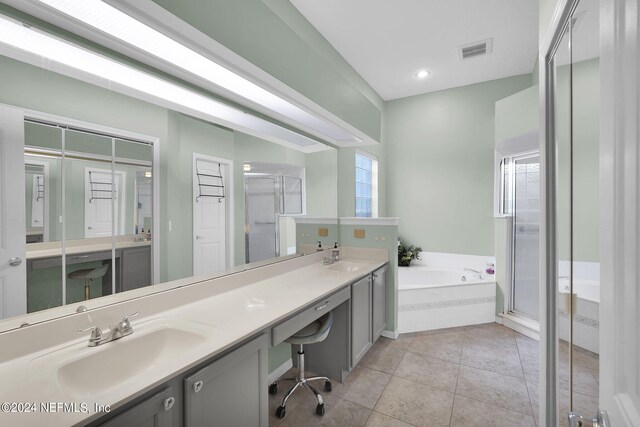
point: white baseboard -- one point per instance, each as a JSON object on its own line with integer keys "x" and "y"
{"x": 499, "y": 320}
{"x": 526, "y": 327}
{"x": 391, "y": 334}
{"x": 280, "y": 370}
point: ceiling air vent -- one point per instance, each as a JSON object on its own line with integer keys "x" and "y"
{"x": 472, "y": 50}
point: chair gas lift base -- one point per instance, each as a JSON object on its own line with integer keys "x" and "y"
{"x": 88, "y": 274}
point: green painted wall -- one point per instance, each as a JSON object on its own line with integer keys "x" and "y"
{"x": 440, "y": 165}
{"x": 274, "y": 36}
{"x": 517, "y": 114}
{"x": 308, "y": 234}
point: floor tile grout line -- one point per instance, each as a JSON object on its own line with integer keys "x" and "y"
{"x": 495, "y": 404}
{"x": 386, "y": 386}
{"x": 526, "y": 385}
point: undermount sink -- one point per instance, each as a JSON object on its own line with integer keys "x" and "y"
{"x": 82, "y": 371}
{"x": 347, "y": 266}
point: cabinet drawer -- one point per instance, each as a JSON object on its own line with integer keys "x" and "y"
{"x": 89, "y": 257}
{"x": 290, "y": 326}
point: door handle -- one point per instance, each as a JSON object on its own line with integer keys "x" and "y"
{"x": 601, "y": 420}
{"x": 15, "y": 261}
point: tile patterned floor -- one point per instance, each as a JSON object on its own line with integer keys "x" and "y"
{"x": 483, "y": 375}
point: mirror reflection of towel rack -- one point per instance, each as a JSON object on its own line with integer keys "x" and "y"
{"x": 96, "y": 188}
{"x": 40, "y": 185}
{"x": 210, "y": 184}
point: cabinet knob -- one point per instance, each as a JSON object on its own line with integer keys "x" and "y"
{"x": 168, "y": 403}
{"x": 197, "y": 386}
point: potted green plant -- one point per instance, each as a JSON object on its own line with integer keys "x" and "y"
{"x": 407, "y": 253}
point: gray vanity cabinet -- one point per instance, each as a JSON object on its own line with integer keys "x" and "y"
{"x": 230, "y": 391}
{"x": 361, "y": 326}
{"x": 379, "y": 305}
{"x": 136, "y": 268}
{"x": 155, "y": 411}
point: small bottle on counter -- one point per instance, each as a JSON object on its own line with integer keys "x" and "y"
{"x": 335, "y": 252}
{"x": 319, "y": 248}
{"x": 491, "y": 269}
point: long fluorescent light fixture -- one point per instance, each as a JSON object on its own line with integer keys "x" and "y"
{"x": 25, "y": 43}
{"x": 115, "y": 23}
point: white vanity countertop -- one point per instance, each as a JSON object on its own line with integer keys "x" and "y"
{"x": 75, "y": 247}
{"x": 237, "y": 307}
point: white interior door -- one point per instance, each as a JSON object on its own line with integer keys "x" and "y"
{"x": 209, "y": 216}
{"x": 13, "y": 284}
{"x": 98, "y": 203}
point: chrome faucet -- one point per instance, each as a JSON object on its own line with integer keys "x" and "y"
{"x": 476, "y": 272}
{"x": 119, "y": 330}
{"x": 331, "y": 259}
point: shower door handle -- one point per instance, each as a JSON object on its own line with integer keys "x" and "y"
{"x": 601, "y": 420}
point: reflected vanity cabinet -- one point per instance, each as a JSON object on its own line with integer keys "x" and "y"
{"x": 227, "y": 390}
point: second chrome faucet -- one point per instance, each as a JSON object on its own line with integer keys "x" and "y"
{"x": 117, "y": 331}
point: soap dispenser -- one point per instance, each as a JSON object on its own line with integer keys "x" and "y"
{"x": 335, "y": 252}
{"x": 319, "y": 248}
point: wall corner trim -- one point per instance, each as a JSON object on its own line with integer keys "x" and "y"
{"x": 315, "y": 220}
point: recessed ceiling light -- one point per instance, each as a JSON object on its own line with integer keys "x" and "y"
{"x": 422, "y": 74}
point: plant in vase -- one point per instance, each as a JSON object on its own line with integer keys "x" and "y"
{"x": 407, "y": 253}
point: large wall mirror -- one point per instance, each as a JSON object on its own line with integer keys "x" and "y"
{"x": 117, "y": 193}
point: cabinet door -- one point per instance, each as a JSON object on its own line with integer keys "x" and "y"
{"x": 379, "y": 301}
{"x": 136, "y": 268}
{"x": 232, "y": 391}
{"x": 361, "y": 337}
{"x": 155, "y": 411}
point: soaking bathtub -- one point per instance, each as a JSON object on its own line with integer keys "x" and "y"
{"x": 434, "y": 297}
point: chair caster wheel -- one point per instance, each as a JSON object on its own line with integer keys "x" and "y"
{"x": 327, "y": 386}
{"x": 320, "y": 409}
{"x": 273, "y": 388}
{"x": 281, "y": 412}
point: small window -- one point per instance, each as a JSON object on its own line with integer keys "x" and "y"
{"x": 366, "y": 185}
{"x": 505, "y": 186}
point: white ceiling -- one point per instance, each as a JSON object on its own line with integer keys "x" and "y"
{"x": 388, "y": 41}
